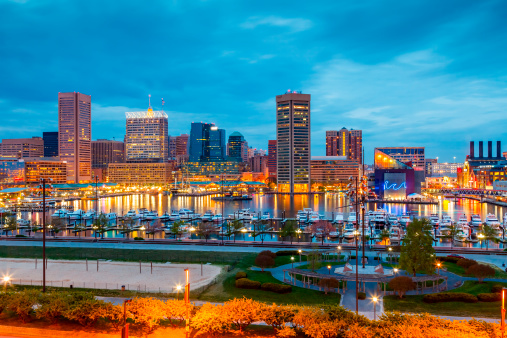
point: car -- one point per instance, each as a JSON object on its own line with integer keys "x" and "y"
{"x": 455, "y": 256}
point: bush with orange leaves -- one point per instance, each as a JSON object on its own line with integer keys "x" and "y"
{"x": 147, "y": 313}
{"x": 211, "y": 319}
{"x": 243, "y": 311}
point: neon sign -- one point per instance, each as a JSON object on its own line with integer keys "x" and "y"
{"x": 393, "y": 186}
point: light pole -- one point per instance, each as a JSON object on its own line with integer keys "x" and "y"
{"x": 125, "y": 330}
{"x": 178, "y": 289}
{"x": 292, "y": 260}
{"x": 43, "y": 182}
{"x": 374, "y": 299}
{"x": 300, "y": 251}
{"x": 339, "y": 253}
{"x": 329, "y": 268}
{"x": 438, "y": 268}
{"x": 96, "y": 196}
{"x": 395, "y": 271}
{"x": 481, "y": 237}
{"x": 6, "y": 280}
{"x": 187, "y": 302}
{"x": 502, "y": 323}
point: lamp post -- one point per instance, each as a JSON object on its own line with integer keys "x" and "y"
{"x": 125, "y": 330}
{"x": 339, "y": 253}
{"x": 96, "y": 196}
{"x": 6, "y": 280}
{"x": 187, "y": 302}
{"x": 329, "y": 268}
{"x": 178, "y": 289}
{"x": 374, "y": 299}
{"x": 481, "y": 237}
{"x": 300, "y": 251}
{"x": 292, "y": 260}
{"x": 438, "y": 268}
{"x": 395, "y": 271}
{"x": 502, "y": 323}
{"x": 43, "y": 183}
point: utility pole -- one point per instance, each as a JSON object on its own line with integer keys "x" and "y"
{"x": 357, "y": 242}
{"x": 43, "y": 235}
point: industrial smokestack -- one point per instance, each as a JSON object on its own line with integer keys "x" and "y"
{"x": 490, "y": 149}
{"x": 499, "y": 149}
{"x": 471, "y": 149}
{"x": 481, "y": 149}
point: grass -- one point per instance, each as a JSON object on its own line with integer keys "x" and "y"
{"x": 176, "y": 256}
{"x": 320, "y": 265}
{"x": 282, "y": 260}
{"x": 415, "y": 304}
{"x": 458, "y": 270}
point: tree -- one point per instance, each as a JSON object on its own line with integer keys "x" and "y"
{"x": 264, "y": 261}
{"x": 58, "y": 225}
{"x": 10, "y": 225}
{"x": 490, "y": 234}
{"x": 329, "y": 283}
{"x": 127, "y": 225}
{"x": 452, "y": 233}
{"x": 385, "y": 235}
{"x": 242, "y": 312}
{"x": 176, "y": 229}
{"x": 205, "y": 229}
{"x": 401, "y": 285}
{"x": 481, "y": 271}
{"x": 322, "y": 228}
{"x": 288, "y": 229}
{"x": 417, "y": 252}
{"x": 151, "y": 227}
{"x": 260, "y": 229}
{"x": 100, "y": 225}
{"x": 313, "y": 258}
{"x": 233, "y": 228}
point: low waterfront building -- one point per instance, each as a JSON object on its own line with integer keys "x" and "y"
{"x": 211, "y": 168}
{"x": 333, "y": 170}
{"x": 22, "y": 147}
{"x": 141, "y": 173}
{"x": 32, "y": 170}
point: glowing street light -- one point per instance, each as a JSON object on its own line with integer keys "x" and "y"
{"x": 481, "y": 237}
{"x": 292, "y": 259}
{"x": 438, "y": 268}
{"x": 187, "y": 302}
{"x": 178, "y": 289}
{"x": 329, "y": 268}
{"x": 6, "y": 280}
{"x": 300, "y": 251}
{"x": 395, "y": 271}
{"x": 374, "y": 299}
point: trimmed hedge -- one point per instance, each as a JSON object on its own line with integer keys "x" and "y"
{"x": 450, "y": 297}
{"x": 245, "y": 283}
{"x": 241, "y": 274}
{"x": 489, "y": 297}
{"x": 278, "y": 288}
{"x": 361, "y": 295}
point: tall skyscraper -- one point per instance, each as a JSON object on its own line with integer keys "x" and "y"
{"x": 74, "y": 135}
{"x": 50, "y": 143}
{"x": 293, "y": 142}
{"x": 345, "y": 143}
{"x": 146, "y": 138}
{"x": 237, "y": 147}
{"x": 171, "y": 151}
{"x": 105, "y": 152}
{"x": 206, "y": 143}
{"x": 272, "y": 157}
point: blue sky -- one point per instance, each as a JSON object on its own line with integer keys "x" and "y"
{"x": 408, "y": 73}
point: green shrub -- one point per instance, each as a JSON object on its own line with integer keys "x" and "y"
{"x": 86, "y": 311}
{"x": 450, "y": 297}
{"x": 52, "y": 306}
{"x": 138, "y": 239}
{"x": 466, "y": 263}
{"x": 22, "y": 304}
{"x": 245, "y": 283}
{"x": 489, "y": 297}
{"x": 278, "y": 288}
{"x": 361, "y": 295}
{"x": 4, "y": 301}
{"x": 241, "y": 274}
{"x": 449, "y": 259}
{"x": 497, "y": 288}
{"x": 20, "y": 236}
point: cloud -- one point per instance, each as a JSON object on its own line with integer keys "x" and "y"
{"x": 294, "y": 25}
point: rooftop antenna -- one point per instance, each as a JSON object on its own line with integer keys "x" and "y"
{"x": 149, "y": 100}
{"x": 163, "y": 104}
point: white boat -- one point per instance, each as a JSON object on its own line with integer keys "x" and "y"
{"x": 434, "y": 220}
{"x": 90, "y": 214}
{"x": 392, "y": 220}
{"x": 443, "y": 230}
{"x": 150, "y": 216}
{"x": 462, "y": 232}
{"x": 476, "y": 220}
{"x": 492, "y": 221}
{"x": 395, "y": 233}
{"x": 132, "y": 214}
{"x": 22, "y": 223}
{"x": 304, "y": 215}
{"x": 61, "y": 213}
{"x": 78, "y": 214}
{"x": 348, "y": 231}
{"x": 314, "y": 217}
{"x": 175, "y": 216}
{"x": 186, "y": 213}
{"x": 505, "y": 220}
{"x": 463, "y": 220}
{"x": 217, "y": 218}
{"x": 265, "y": 216}
{"x": 111, "y": 216}
{"x": 165, "y": 217}
{"x": 380, "y": 218}
{"x": 339, "y": 218}
{"x": 352, "y": 217}
{"x": 405, "y": 220}
{"x": 208, "y": 216}
{"x": 446, "y": 221}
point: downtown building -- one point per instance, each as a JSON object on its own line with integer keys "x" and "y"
{"x": 178, "y": 148}
{"x": 333, "y": 170}
{"x": 105, "y": 152}
{"x": 481, "y": 171}
{"x": 74, "y": 135}
{"x": 22, "y": 147}
{"x": 412, "y": 156}
{"x": 293, "y": 142}
{"x": 50, "y": 143}
{"x": 344, "y": 142}
{"x": 29, "y": 171}
{"x": 272, "y": 160}
{"x": 237, "y": 147}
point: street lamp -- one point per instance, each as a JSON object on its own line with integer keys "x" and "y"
{"x": 438, "y": 268}
{"x": 125, "y": 330}
{"x": 300, "y": 251}
{"x": 178, "y": 289}
{"x": 395, "y": 271}
{"x": 481, "y": 237}
{"x": 329, "y": 268}
{"x": 187, "y": 302}
{"x": 292, "y": 259}
{"x": 374, "y": 299}
{"x": 6, "y": 280}
{"x": 502, "y": 323}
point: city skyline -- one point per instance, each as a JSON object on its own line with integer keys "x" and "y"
{"x": 416, "y": 79}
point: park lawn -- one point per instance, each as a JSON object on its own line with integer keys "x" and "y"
{"x": 283, "y": 260}
{"x": 415, "y": 304}
{"x": 136, "y": 255}
{"x": 226, "y": 290}
{"x": 320, "y": 265}
{"x": 458, "y": 270}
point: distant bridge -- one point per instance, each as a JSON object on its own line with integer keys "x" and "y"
{"x": 466, "y": 191}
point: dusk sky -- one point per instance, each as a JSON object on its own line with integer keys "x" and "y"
{"x": 408, "y": 73}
